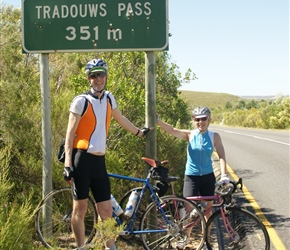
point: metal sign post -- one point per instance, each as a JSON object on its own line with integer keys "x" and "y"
{"x": 46, "y": 124}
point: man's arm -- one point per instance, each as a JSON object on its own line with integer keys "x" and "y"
{"x": 125, "y": 123}
{"x": 73, "y": 122}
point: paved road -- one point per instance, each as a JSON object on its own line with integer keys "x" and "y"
{"x": 261, "y": 158}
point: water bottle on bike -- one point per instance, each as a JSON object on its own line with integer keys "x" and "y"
{"x": 201, "y": 206}
{"x": 115, "y": 206}
{"x": 131, "y": 203}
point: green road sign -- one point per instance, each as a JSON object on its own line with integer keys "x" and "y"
{"x": 90, "y": 25}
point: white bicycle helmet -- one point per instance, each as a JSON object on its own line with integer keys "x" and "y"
{"x": 200, "y": 112}
{"x": 96, "y": 65}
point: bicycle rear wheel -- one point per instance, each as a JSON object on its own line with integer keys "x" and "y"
{"x": 249, "y": 232}
{"x": 53, "y": 220}
{"x": 185, "y": 228}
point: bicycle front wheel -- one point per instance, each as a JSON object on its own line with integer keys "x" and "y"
{"x": 185, "y": 226}
{"x": 241, "y": 229}
{"x": 53, "y": 220}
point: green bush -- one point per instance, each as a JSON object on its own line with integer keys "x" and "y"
{"x": 16, "y": 228}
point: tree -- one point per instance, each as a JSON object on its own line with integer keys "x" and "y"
{"x": 280, "y": 119}
{"x": 241, "y": 104}
{"x": 252, "y": 104}
{"x": 228, "y": 105}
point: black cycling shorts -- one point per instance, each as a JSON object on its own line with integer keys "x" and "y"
{"x": 199, "y": 185}
{"x": 90, "y": 173}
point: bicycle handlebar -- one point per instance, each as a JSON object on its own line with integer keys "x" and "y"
{"x": 230, "y": 188}
{"x": 226, "y": 190}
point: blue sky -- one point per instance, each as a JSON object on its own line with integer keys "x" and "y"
{"x": 233, "y": 46}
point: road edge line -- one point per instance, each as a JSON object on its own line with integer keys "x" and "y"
{"x": 278, "y": 244}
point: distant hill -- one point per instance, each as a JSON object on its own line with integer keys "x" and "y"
{"x": 209, "y": 99}
{"x": 215, "y": 100}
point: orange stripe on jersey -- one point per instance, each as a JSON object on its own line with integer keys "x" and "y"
{"x": 85, "y": 129}
{"x": 109, "y": 114}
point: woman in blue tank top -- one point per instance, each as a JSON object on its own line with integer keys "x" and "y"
{"x": 199, "y": 178}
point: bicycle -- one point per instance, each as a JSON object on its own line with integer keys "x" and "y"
{"x": 161, "y": 226}
{"x": 229, "y": 226}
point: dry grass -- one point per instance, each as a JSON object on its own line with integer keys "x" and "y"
{"x": 128, "y": 245}
{"x": 209, "y": 99}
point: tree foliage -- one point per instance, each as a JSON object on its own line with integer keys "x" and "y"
{"x": 256, "y": 114}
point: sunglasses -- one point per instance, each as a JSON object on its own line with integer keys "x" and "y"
{"x": 200, "y": 119}
{"x": 96, "y": 75}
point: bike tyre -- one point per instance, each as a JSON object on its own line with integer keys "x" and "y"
{"x": 58, "y": 234}
{"x": 252, "y": 233}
